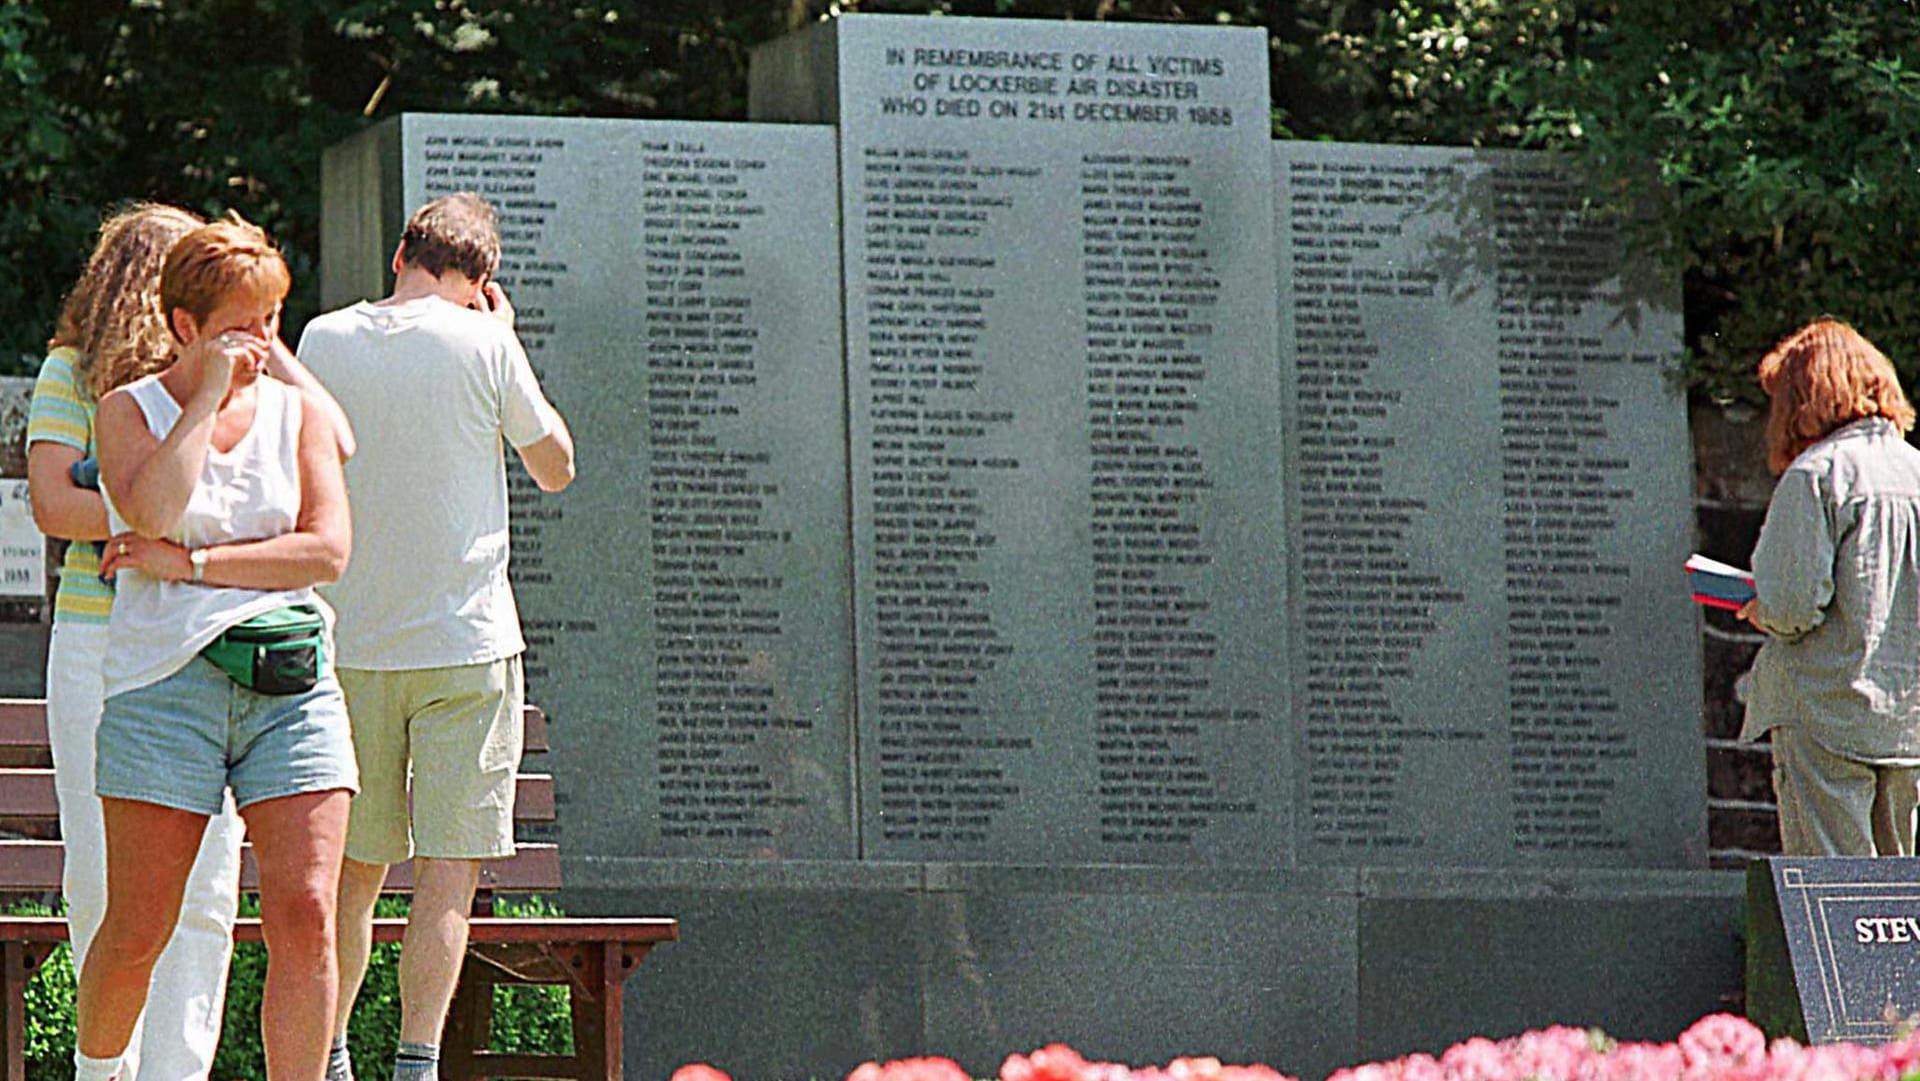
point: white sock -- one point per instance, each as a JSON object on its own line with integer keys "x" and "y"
{"x": 86, "y": 1068}
{"x": 415, "y": 1062}
{"x": 339, "y": 1061}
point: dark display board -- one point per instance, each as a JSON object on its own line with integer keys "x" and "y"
{"x": 1068, "y": 581}
{"x": 685, "y": 602}
{"x": 1833, "y": 947}
{"x": 1495, "y": 659}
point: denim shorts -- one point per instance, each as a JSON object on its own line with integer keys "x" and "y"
{"x": 183, "y": 741}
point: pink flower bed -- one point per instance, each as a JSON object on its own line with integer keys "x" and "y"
{"x": 1717, "y": 1048}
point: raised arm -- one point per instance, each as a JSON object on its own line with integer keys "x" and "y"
{"x": 535, "y": 428}
{"x": 149, "y": 479}
{"x": 283, "y": 365}
{"x": 314, "y": 553}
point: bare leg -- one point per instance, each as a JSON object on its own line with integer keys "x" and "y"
{"x": 359, "y": 888}
{"x": 435, "y": 945}
{"x": 150, "y": 850}
{"x": 297, "y": 842}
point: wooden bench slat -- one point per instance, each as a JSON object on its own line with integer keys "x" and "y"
{"x": 483, "y": 930}
{"x": 27, "y": 794}
{"x": 534, "y": 725}
{"x": 29, "y": 866}
{"x": 23, "y": 722}
{"x": 623, "y": 929}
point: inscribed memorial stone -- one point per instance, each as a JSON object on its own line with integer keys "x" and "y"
{"x": 1833, "y": 947}
{"x": 1497, "y": 663}
{"x": 685, "y": 602}
{"x": 1065, "y": 464}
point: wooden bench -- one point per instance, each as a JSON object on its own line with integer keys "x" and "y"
{"x": 592, "y": 958}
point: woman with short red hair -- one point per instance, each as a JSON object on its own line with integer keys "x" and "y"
{"x": 224, "y": 491}
{"x": 1837, "y": 578}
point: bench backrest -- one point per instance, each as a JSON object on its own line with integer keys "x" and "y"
{"x": 31, "y": 852}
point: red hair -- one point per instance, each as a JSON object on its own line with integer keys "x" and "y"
{"x": 215, "y": 262}
{"x": 1821, "y": 378}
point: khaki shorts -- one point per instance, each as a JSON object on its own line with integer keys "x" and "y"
{"x": 459, "y": 730}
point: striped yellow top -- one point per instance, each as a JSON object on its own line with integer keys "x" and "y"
{"x": 62, "y": 413}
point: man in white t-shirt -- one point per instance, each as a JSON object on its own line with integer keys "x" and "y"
{"x": 433, "y": 378}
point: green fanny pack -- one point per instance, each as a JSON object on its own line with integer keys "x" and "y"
{"x": 277, "y": 652}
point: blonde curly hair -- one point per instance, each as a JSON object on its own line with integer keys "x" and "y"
{"x": 113, "y": 316}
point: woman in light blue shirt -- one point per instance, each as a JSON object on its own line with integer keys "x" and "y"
{"x": 1837, "y": 576}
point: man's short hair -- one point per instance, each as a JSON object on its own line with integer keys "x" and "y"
{"x": 215, "y": 262}
{"x": 454, "y": 232}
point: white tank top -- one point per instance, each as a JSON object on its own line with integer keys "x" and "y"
{"x": 248, "y": 493}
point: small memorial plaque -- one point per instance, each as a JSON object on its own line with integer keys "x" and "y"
{"x": 1833, "y": 947}
{"x": 23, "y": 551}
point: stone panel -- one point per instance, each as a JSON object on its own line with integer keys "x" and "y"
{"x": 1142, "y": 972}
{"x": 1490, "y": 512}
{"x": 1065, "y": 458}
{"x": 1640, "y": 956}
{"x": 685, "y": 602}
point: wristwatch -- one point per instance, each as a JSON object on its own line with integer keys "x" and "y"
{"x": 198, "y": 557}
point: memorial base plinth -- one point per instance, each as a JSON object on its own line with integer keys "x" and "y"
{"x": 807, "y": 969}
{"x": 23, "y": 660}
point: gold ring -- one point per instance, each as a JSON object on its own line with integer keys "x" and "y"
{"x": 123, "y": 548}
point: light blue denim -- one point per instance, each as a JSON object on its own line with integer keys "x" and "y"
{"x": 183, "y": 741}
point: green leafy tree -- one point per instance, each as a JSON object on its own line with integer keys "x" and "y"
{"x": 1762, "y": 150}
{"x": 41, "y": 154}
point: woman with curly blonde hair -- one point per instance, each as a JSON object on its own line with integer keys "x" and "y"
{"x": 111, "y": 332}
{"x": 1837, "y": 578}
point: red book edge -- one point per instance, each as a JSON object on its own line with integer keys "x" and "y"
{"x": 1717, "y": 602}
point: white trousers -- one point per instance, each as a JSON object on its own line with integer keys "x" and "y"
{"x": 180, "y": 1031}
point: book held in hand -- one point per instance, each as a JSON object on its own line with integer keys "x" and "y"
{"x": 1717, "y": 584}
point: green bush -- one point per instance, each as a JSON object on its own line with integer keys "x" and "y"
{"x": 526, "y": 1020}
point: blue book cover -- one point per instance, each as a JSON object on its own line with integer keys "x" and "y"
{"x": 1718, "y": 584}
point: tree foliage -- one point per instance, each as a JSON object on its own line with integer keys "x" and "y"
{"x": 219, "y": 105}
{"x": 1764, "y": 149}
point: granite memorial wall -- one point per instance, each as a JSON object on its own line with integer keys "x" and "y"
{"x": 1069, "y": 600}
{"x": 1172, "y": 496}
{"x": 1022, "y": 508}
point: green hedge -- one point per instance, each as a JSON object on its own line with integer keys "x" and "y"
{"x": 526, "y": 1020}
